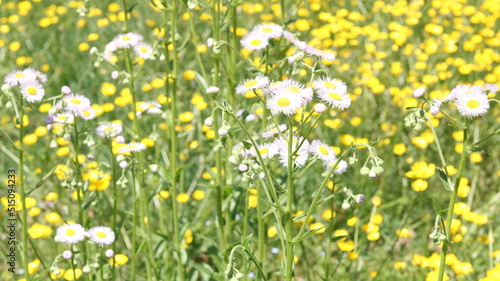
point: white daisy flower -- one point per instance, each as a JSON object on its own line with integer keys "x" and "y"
{"x": 252, "y": 84}
{"x": 40, "y": 77}
{"x": 70, "y": 233}
{"x": 109, "y": 130}
{"x": 144, "y": 50}
{"x": 473, "y": 105}
{"x": 284, "y": 103}
{"x": 64, "y": 118}
{"x": 18, "y": 77}
{"x": 101, "y": 235}
{"x": 132, "y": 147}
{"x": 292, "y": 87}
{"x": 150, "y": 107}
{"x": 32, "y": 91}
{"x": 266, "y": 150}
{"x": 322, "y": 151}
{"x": 330, "y": 84}
{"x": 74, "y": 103}
{"x": 274, "y": 131}
{"x": 490, "y": 87}
{"x": 127, "y": 40}
{"x": 340, "y": 169}
{"x": 300, "y": 158}
{"x": 254, "y": 41}
{"x": 269, "y": 30}
{"x": 463, "y": 90}
{"x": 87, "y": 113}
{"x": 109, "y": 50}
{"x": 335, "y": 98}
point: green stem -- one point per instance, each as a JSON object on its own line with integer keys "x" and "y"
{"x": 449, "y": 215}
{"x": 173, "y": 139}
{"x": 134, "y": 219}
{"x": 329, "y": 235}
{"x": 289, "y": 206}
{"x": 23, "y": 192}
{"x": 260, "y": 225}
{"x": 115, "y": 201}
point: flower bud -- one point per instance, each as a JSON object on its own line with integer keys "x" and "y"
{"x": 209, "y": 121}
{"x": 212, "y": 90}
{"x": 120, "y": 139}
{"x": 360, "y": 198}
{"x": 66, "y": 90}
{"x": 243, "y": 168}
{"x": 109, "y": 253}
{"x": 364, "y": 171}
{"x": 67, "y": 254}
{"x": 114, "y": 74}
{"x": 123, "y": 164}
{"x": 6, "y": 88}
{"x": 86, "y": 269}
{"x": 346, "y": 205}
{"x": 224, "y": 130}
{"x": 319, "y": 107}
{"x": 419, "y": 92}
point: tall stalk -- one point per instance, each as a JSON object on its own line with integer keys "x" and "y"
{"x": 173, "y": 139}
{"x": 453, "y": 197}
{"x": 219, "y": 180}
{"x": 289, "y": 205}
{"x": 23, "y": 192}
{"x": 115, "y": 203}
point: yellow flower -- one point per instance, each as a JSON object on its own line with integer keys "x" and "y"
{"x": 346, "y": 246}
{"x": 120, "y": 260}
{"x": 317, "y": 225}
{"x": 39, "y": 231}
{"x": 272, "y": 231}
{"x": 182, "y": 198}
{"x": 188, "y": 75}
{"x": 328, "y": 214}
{"x": 72, "y": 275}
{"x": 419, "y": 185}
{"x": 108, "y": 89}
{"x": 421, "y": 170}
{"x": 198, "y": 194}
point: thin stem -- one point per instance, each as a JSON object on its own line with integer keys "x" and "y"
{"x": 134, "y": 220}
{"x": 115, "y": 203}
{"x": 260, "y": 226}
{"x": 173, "y": 139}
{"x": 449, "y": 215}
{"x": 289, "y": 205}
{"x": 23, "y": 192}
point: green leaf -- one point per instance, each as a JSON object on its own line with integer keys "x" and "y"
{"x": 437, "y": 207}
{"x": 247, "y": 144}
{"x": 41, "y": 182}
{"x": 477, "y": 149}
{"x": 246, "y": 240}
{"x": 337, "y": 238}
{"x": 305, "y": 235}
{"x": 299, "y": 217}
{"x": 445, "y": 179}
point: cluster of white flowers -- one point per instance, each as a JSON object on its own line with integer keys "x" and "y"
{"x": 109, "y": 130}
{"x": 29, "y": 81}
{"x": 470, "y": 101}
{"x": 302, "y": 151}
{"x": 259, "y": 37}
{"x": 125, "y": 41}
{"x": 74, "y": 233}
{"x": 71, "y": 105}
{"x": 288, "y": 96}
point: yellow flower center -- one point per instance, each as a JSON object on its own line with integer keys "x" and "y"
{"x": 108, "y": 129}
{"x": 267, "y": 29}
{"x": 255, "y": 42}
{"x": 264, "y": 150}
{"x": 101, "y": 234}
{"x": 472, "y": 104}
{"x": 251, "y": 83}
{"x": 70, "y": 232}
{"x": 75, "y": 101}
{"x": 31, "y": 90}
{"x": 294, "y": 89}
{"x": 323, "y": 150}
{"x": 19, "y": 75}
{"x": 87, "y": 113}
{"x": 335, "y": 96}
{"x": 126, "y": 38}
{"x": 330, "y": 85}
{"x": 283, "y": 102}
{"x": 143, "y": 49}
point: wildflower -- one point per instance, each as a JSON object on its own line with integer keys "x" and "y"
{"x": 109, "y": 253}
{"x": 87, "y": 113}
{"x": 330, "y": 84}
{"x": 127, "y": 40}
{"x": 64, "y": 118}
{"x": 266, "y": 150}
{"x": 143, "y": 50}
{"x": 254, "y": 41}
{"x": 101, "y": 235}
{"x": 291, "y": 87}
{"x": 70, "y": 234}
{"x": 268, "y": 30}
{"x": 73, "y": 103}
{"x": 322, "y": 151}
{"x": 66, "y": 90}
{"x": 473, "y": 105}
{"x": 109, "y": 130}
{"x": 284, "y": 103}
{"x": 212, "y": 90}
{"x": 32, "y": 91}
{"x": 18, "y": 77}
{"x": 319, "y": 107}
{"x": 132, "y": 147}
{"x": 335, "y": 98}
{"x": 252, "y": 84}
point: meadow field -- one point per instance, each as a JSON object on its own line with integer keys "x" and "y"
{"x": 185, "y": 140}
